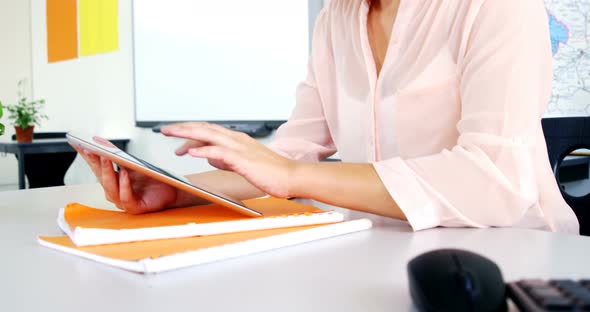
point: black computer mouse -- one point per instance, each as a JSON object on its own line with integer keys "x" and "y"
{"x": 456, "y": 280}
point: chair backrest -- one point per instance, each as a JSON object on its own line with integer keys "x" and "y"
{"x": 45, "y": 135}
{"x": 563, "y": 136}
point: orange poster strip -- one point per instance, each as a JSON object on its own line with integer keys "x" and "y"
{"x": 62, "y": 30}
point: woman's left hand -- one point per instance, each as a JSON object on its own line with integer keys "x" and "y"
{"x": 237, "y": 152}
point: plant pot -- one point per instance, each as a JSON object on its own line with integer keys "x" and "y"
{"x": 24, "y": 135}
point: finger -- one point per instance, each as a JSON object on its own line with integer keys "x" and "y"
{"x": 212, "y": 126}
{"x": 80, "y": 151}
{"x": 191, "y": 125}
{"x": 127, "y": 200}
{"x": 77, "y": 149}
{"x": 110, "y": 182}
{"x": 182, "y": 150}
{"x": 220, "y": 128}
{"x": 210, "y": 152}
{"x": 203, "y": 133}
{"x": 218, "y": 164}
{"x": 218, "y": 156}
{"x": 181, "y": 125}
{"x": 93, "y": 162}
{"x": 237, "y": 135}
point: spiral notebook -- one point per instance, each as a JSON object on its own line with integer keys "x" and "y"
{"x": 87, "y": 226}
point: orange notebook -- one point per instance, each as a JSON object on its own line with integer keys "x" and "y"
{"x": 88, "y": 226}
{"x": 167, "y": 254}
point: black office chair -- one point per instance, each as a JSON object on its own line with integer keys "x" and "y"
{"x": 44, "y": 170}
{"x": 563, "y": 136}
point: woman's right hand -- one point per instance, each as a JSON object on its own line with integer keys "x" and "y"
{"x": 132, "y": 191}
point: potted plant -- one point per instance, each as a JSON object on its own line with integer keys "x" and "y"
{"x": 24, "y": 115}
{"x": 1, "y": 125}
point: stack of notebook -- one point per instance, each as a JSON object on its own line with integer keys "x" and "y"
{"x": 182, "y": 237}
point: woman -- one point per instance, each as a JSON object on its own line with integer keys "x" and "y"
{"x": 434, "y": 107}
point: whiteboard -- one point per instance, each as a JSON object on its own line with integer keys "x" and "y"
{"x": 230, "y": 60}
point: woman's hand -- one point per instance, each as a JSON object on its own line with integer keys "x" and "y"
{"x": 132, "y": 191}
{"x": 237, "y": 152}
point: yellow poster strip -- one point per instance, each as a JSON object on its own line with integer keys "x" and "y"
{"x": 99, "y": 26}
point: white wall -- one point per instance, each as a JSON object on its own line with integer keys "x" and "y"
{"x": 15, "y": 64}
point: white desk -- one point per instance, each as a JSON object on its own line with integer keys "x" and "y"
{"x": 359, "y": 272}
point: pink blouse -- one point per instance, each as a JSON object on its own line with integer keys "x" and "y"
{"x": 451, "y": 124}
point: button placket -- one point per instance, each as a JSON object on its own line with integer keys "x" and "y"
{"x": 400, "y": 24}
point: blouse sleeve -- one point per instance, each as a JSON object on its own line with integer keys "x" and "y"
{"x": 488, "y": 178}
{"x": 305, "y": 136}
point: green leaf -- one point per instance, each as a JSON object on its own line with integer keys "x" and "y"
{"x": 26, "y": 113}
{"x": 1, "y": 129}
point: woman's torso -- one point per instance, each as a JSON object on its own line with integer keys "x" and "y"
{"x": 412, "y": 109}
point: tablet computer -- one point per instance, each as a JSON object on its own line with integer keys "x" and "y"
{"x": 105, "y": 148}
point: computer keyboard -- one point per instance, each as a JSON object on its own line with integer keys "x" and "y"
{"x": 550, "y": 295}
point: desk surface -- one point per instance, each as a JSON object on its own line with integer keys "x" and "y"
{"x": 360, "y": 272}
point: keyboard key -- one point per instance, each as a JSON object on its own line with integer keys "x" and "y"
{"x": 558, "y": 304}
{"x": 534, "y": 283}
{"x": 540, "y": 295}
{"x": 583, "y": 305}
{"x": 565, "y": 284}
{"x": 534, "y": 295}
{"x": 544, "y": 293}
{"x": 581, "y": 293}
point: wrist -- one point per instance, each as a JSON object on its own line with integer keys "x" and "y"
{"x": 296, "y": 180}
